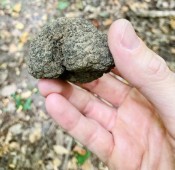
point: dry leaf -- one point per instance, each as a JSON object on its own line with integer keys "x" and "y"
{"x": 72, "y": 164}
{"x": 14, "y": 146}
{"x": 19, "y": 26}
{"x": 172, "y": 23}
{"x": 13, "y": 48}
{"x": 87, "y": 165}
{"x": 17, "y": 7}
{"x": 12, "y": 166}
{"x": 24, "y": 37}
{"x": 35, "y": 135}
{"x": 56, "y": 163}
{"x": 20, "y": 46}
{"x": 79, "y": 150}
{"x": 173, "y": 50}
{"x": 95, "y": 23}
{"x": 107, "y": 22}
{"x": 60, "y": 149}
{"x": 26, "y": 94}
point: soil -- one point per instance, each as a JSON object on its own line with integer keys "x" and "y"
{"x": 29, "y": 139}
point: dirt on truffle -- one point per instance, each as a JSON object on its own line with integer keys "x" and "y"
{"x": 71, "y": 49}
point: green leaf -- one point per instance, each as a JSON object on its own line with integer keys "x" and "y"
{"x": 18, "y": 101}
{"x": 63, "y": 4}
{"x": 81, "y": 159}
{"x": 27, "y": 104}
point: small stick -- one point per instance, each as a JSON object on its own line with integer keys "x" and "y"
{"x": 69, "y": 145}
{"x": 153, "y": 13}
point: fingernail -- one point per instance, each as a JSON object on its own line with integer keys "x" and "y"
{"x": 130, "y": 39}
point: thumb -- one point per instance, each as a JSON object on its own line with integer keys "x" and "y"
{"x": 144, "y": 69}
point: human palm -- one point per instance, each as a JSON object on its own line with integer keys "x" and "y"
{"x": 126, "y": 132}
{"x": 140, "y": 140}
{"x": 127, "y": 127}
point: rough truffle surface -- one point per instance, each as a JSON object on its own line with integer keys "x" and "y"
{"x": 71, "y": 49}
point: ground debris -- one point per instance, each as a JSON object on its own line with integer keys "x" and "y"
{"x": 29, "y": 139}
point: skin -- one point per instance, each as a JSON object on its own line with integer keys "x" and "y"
{"x": 128, "y": 125}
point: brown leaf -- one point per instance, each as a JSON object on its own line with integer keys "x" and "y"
{"x": 79, "y": 150}
{"x": 95, "y": 23}
{"x": 107, "y": 22}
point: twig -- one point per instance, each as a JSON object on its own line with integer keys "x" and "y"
{"x": 153, "y": 13}
{"x": 69, "y": 145}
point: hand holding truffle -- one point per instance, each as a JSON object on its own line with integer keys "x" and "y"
{"x": 137, "y": 129}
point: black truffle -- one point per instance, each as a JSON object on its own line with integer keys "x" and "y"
{"x": 71, "y": 49}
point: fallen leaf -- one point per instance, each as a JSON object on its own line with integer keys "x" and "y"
{"x": 107, "y": 22}
{"x": 56, "y": 163}
{"x": 17, "y": 7}
{"x": 12, "y": 166}
{"x": 19, "y": 26}
{"x": 87, "y": 165}
{"x": 60, "y": 149}
{"x": 14, "y": 146}
{"x": 79, "y": 150}
{"x": 13, "y": 48}
{"x": 26, "y": 94}
{"x": 81, "y": 154}
{"x": 24, "y": 37}
{"x": 95, "y": 23}
{"x": 20, "y": 46}
{"x": 35, "y": 135}
{"x": 27, "y": 104}
{"x": 15, "y": 14}
{"x": 172, "y": 23}
{"x": 173, "y": 50}
{"x": 72, "y": 163}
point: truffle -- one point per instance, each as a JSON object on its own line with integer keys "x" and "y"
{"x": 71, "y": 49}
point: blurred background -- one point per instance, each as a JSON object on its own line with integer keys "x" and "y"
{"x": 29, "y": 139}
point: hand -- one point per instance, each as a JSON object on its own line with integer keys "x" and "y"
{"x": 137, "y": 129}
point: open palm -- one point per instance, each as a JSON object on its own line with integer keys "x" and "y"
{"x": 126, "y": 134}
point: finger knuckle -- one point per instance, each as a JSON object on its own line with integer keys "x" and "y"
{"x": 157, "y": 67}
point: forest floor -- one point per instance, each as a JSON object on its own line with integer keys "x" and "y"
{"x": 29, "y": 139}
